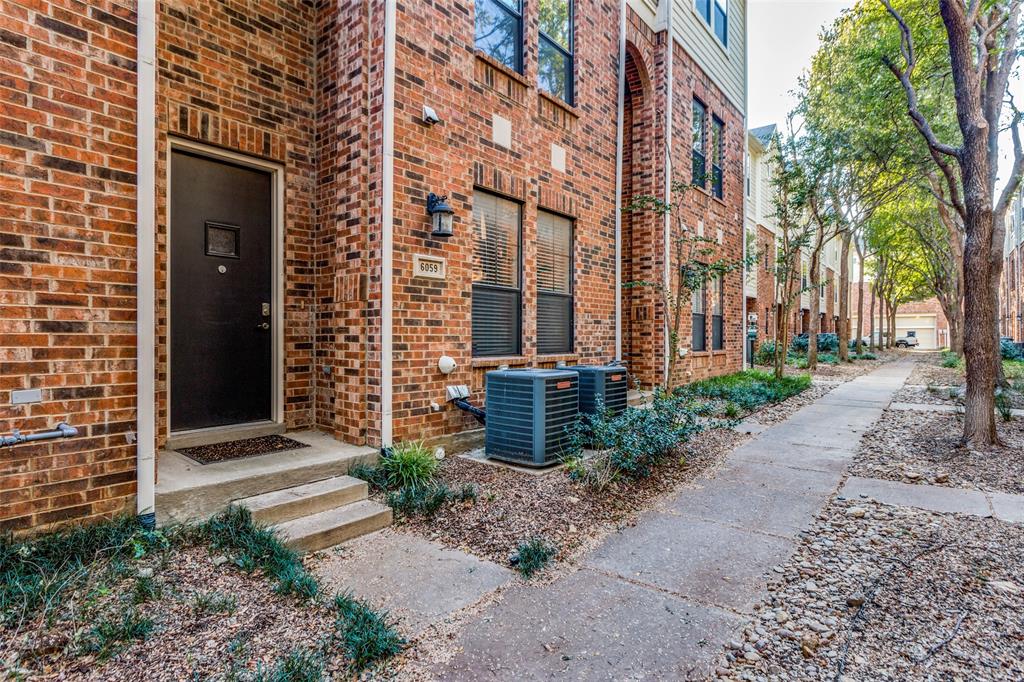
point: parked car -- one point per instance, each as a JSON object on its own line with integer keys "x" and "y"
{"x": 909, "y": 341}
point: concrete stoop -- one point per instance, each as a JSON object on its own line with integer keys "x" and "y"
{"x": 320, "y": 514}
{"x": 306, "y": 494}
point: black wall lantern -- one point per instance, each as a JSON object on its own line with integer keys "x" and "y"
{"x": 441, "y": 215}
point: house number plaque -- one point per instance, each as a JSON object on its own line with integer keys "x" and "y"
{"x": 430, "y": 267}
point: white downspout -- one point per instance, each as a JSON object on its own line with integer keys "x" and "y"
{"x": 387, "y": 223}
{"x": 667, "y": 280}
{"x": 747, "y": 165}
{"x": 621, "y": 106}
{"x": 145, "y": 278}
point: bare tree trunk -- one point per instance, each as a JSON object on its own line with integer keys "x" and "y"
{"x": 860, "y": 301}
{"x": 843, "y": 330}
{"x": 815, "y": 326}
{"x": 871, "y": 317}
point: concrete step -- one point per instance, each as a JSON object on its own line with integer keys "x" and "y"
{"x": 331, "y": 527}
{"x": 303, "y": 500}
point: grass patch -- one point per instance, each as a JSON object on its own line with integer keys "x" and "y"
{"x": 145, "y": 589}
{"x": 253, "y": 547}
{"x": 112, "y": 634}
{"x": 532, "y": 556}
{"x": 39, "y": 573}
{"x": 210, "y": 603}
{"x": 749, "y": 389}
{"x": 300, "y": 665}
{"x": 1013, "y": 369}
{"x": 427, "y": 500}
{"x": 951, "y": 360}
{"x": 365, "y": 635}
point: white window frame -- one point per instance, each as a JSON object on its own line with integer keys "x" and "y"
{"x": 709, "y": 24}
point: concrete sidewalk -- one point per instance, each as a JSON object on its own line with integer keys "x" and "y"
{"x": 659, "y": 600}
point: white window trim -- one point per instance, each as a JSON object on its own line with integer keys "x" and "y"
{"x": 709, "y": 25}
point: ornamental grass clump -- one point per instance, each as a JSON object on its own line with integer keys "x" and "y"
{"x": 365, "y": 635}
{"x": 533, "y": 556}
{"x": 408, "y": 464}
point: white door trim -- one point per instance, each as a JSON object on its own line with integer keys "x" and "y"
{"x": 276, "y": 171}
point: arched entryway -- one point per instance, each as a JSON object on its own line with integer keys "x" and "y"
{"x": 639, "y": 338}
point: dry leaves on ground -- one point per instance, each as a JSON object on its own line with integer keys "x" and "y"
{"x": 893, "y": 594}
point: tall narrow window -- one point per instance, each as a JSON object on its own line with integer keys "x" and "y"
{"x": 699, "y": 328}
{"x": 700, "y": 144}
{"x": 496, "y": 276}
{"x": 717, "y": 155}
{"x": 554, "y": 284}
{"x": 555, "y": 49}
{"x": 703, "y": 9}
{"x": 717, "y": 309}
{"x": 499, "y": 31}
{"x": 722, "y": 22}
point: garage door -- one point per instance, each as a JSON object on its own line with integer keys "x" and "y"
{"x": 923, "y": 325}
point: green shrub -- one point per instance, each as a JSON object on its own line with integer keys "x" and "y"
{"x": 145, "y": 589}
{"x": 1010, "y": 351}
{"x": 375, "y": 477}
{"x": 256, "y": 547}
{"x": 408, "y": 464}
{"x": 951, "y": 360}
{"x": 864, "y": 356}
{"x": 1013, "y": 369}
{"x": 765, "y": 354}
{"x": 1004, "y": 406}
{"x": 107, "y": 636}
{"x": 38, "y": 572}
{"x": 827, "y": 342}
{"x": 365, "y": 635}
{"x": 532, "y": 556}
{"x": 300, "y": 665}
{"x": 748, "y": 390}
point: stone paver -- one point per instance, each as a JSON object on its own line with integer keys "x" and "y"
{"x": 934, "y": 498}
{"x": 418, "y": 581}
{"x": 659, "y": 600}
{"x": 1003, "y": 506}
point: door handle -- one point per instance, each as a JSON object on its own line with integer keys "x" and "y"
{"x": 263, "y": 325}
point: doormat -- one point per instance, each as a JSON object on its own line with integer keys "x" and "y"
{"x": 237, "y": 449}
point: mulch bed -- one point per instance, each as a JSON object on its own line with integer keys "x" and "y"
{"x": 187, "y": 642}
{"x": 945, "y": 395}
{"x": 513, "y": 506}
{"x": 780, "y": 412}
{"x": 238, "y": 449}
{"x": 928, "y": 371}
{"x": 924, "y": 447}
{"x": 892, "y": 594}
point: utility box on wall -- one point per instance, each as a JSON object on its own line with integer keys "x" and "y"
{"x": 530, "y": 413}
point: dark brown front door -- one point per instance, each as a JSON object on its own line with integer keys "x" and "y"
{"x": 221, "y": 293}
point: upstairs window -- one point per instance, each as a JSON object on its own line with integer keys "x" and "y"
{"x": 555, "y": 49}
{"x": 699, "y": 301}
{"x": 717, "y": 311}
{"x": 499, "y": 31}
{"x": 497, "y": 295}
{"x": 554, "y": 284}
{"x": 700, "y": 143}
{"x": 717, "y": 155}
{"x": 715, "y": 14}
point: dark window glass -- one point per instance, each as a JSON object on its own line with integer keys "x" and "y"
{"x": 699, "y": 332}
{"x": 700, "y": 145}
{"x": 554, "y": 284}
{"x": 496, "y": 276}
{"x": 717, "y": 155}
{"x": 499, "y": 31}
{"x": 555, "y": 51}
{"x": 717, "y": 311}
{"x": 721, "y": 22}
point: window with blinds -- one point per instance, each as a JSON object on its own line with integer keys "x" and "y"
{"x": 497, "y": 297}
{"x": 554, "y": 284}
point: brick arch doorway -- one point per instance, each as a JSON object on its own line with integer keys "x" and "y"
{"x": 639, "y": 337}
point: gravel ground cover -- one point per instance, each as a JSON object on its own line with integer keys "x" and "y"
{"x": 209, "y": 621}
{"x": 892, "y": 594}
{"x": 928, "y": 371}
{"x": 946, "y": 395}
{"x": 513, "y": 506}
{"x": 923, "y": 447}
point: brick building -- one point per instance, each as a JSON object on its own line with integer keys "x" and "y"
{"x": 259, "y": 251}
{"x": 924, "y": 318}
{"x": 762, "y": 234}
{"x": 1011, "y": 282}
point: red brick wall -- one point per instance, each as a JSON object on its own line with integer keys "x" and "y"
{"x": 1011, "y": 295}
{"x": 239, "y": 75}
{"x": 67, "y": 256}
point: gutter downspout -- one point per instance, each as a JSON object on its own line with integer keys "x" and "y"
{"x": 145, "y": 281}
{"x": 747, "y": 360}
{"x": 387, "y": 223}
{"x": 668, "y": 11}
{"x": 621, "y": 105}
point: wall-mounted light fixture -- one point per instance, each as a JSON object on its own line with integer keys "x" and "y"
{"x": 441, "y": 215}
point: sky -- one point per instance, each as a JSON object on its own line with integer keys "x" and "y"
{"x": 783, "y": 36}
